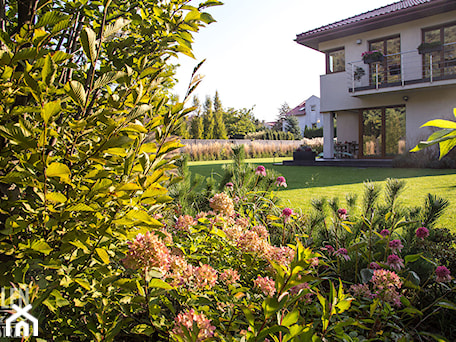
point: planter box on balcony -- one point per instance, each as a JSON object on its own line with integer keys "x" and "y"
{"x": 372, "y": 59}
{"x": 304, "y": 155}
{"x": 429, "y": 49}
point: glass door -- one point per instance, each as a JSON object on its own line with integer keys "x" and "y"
{"x": 382, "y": 132}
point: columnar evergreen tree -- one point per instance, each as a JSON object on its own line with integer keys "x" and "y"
{"x": 219, "y": 128}
{"x": 208, "y": 119}
{"x": 196, "y": 123}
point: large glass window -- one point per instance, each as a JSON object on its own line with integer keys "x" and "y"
{"x": 335, "y": 61}
{"x": 389, "y": 70}
{"x": 440, "y": 63}
{"x": 383, "y": 132}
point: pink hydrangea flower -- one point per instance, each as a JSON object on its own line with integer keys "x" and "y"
{"x": 395, "y": 246}
{"x": 422, "y": 233}
{"x": 260, "y": 170}
{"x": 185, "y": 222}
{"x": 266, "y": 285}
{"x": 147, "y": 251}
{"x": 395, "y": 262}
{"x": 222, "y": 203}
{"x": 386, "y": 286}
{"x": 186, "y": 319}
{"x": 250, "y": 242}
{"x": 361, "y": 290}
{"x": 261, "y": 231}
{"x": 229, "y": 276}
{"x": 443, "y": 274}
{"x": 385, "y": 233}
{"x": 342, "y": 213}
{"x": 343, "y": 253}
{"x": 205, "y": 277}
{"x": 281, "y": 182}
{"x": 281, "y": 255}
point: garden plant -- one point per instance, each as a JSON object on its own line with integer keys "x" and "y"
{"x": 92, "y": 227}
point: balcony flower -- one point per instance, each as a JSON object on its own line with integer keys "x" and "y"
{"x": 372, "y": 56}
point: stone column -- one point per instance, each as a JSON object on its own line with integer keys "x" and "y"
{"x": 328, "y": 135}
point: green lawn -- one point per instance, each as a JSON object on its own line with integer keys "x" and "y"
{"x": 307, "y": 182}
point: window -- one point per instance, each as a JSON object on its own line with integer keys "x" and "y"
{"x": 335, "y": 61}
{"x": 444, "y": 60}
{"x": 312, "y": 108}
{"x": 389, "y": 71}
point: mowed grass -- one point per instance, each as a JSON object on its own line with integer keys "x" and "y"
{"x": 307, "y": 182}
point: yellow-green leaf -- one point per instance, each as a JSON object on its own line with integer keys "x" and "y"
{"x": 58, "y": 170}
{"x": 103, "y": 255}
{"x": 50, "y": 109}
{"x": 84, "y": 283}
{"x": 159, "y": 284}
{"x": 56, "y": 197}
{"x": 80, "y": 207}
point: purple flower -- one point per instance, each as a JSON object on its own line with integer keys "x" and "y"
{"x": 374, "y": 266}
{"x": 343, "y": 253}
{"x": 443, "y": 274}
{"x": 329, "y": 248}
{"x": 281, "y": 181}
{"x": 395, "y": 262}
{"x": 396, "y": 246}
{"x": 260, "y": 171}
{"x": 422, "y": 233}
{"x": 286, "y": 213}
{"x": 229, "y": 185}
{"x": 342, "y": 213}
{"x": 385, "y": 232}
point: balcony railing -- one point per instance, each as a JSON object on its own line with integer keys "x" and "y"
{"x": 402, "y": 69}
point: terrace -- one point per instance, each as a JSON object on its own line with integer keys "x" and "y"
{"x": 403, "y": 71}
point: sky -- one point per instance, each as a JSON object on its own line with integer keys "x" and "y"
{"x": 251, "y": 57}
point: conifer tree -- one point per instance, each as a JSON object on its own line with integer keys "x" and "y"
{"x": 219, "y": 127}
{"x": 196, "y": 125}
{"x": 208, "y": 119}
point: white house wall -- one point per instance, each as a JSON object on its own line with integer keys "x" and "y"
{"x": 424, "y": 103}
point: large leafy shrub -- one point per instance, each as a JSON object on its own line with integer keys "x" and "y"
{"x": 85, "y": 127}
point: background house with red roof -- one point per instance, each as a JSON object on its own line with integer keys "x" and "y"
{"x": 380, "y": 103}
{"x": 307, "y": 113}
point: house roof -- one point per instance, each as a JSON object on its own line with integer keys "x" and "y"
{"x": 298, "y": 110}
{"x": 398, "y": 12}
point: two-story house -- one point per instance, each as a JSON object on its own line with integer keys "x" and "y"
{"x": 307, "y": 113}
{"x": 380, "y": 104}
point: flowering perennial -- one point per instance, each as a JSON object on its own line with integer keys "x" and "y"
{"x": 205, "y": 277}
{"x": 266, "y": 285}
{"x": 395, "y": 262}
{"x": 342, "y": 213}
{"x": 281, "y": 181}
{"x": 286, "y": 213}
{"x": 230, "y": 276}
{"x": 147, "y": 251}
{"x": 186, "y": 319}
{"x": 386, "y": 285}
{"x": 385, "y": 232}
{"x": 443, "y": 274}
{"x": 395, "y": 246}
{"x": 422, "y": 233}
{"x": 343, "y": 253}
{"x": 260, "y": 171}
{"x": 185, "y": 222}
{"x": 222, "y": 203}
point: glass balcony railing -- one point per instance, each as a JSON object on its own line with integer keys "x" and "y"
{"x": 403, "y": 69}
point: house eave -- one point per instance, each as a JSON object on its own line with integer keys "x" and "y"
{"x": 313, "y": 40}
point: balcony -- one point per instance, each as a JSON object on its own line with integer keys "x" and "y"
{"x": 403, "y": 71}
